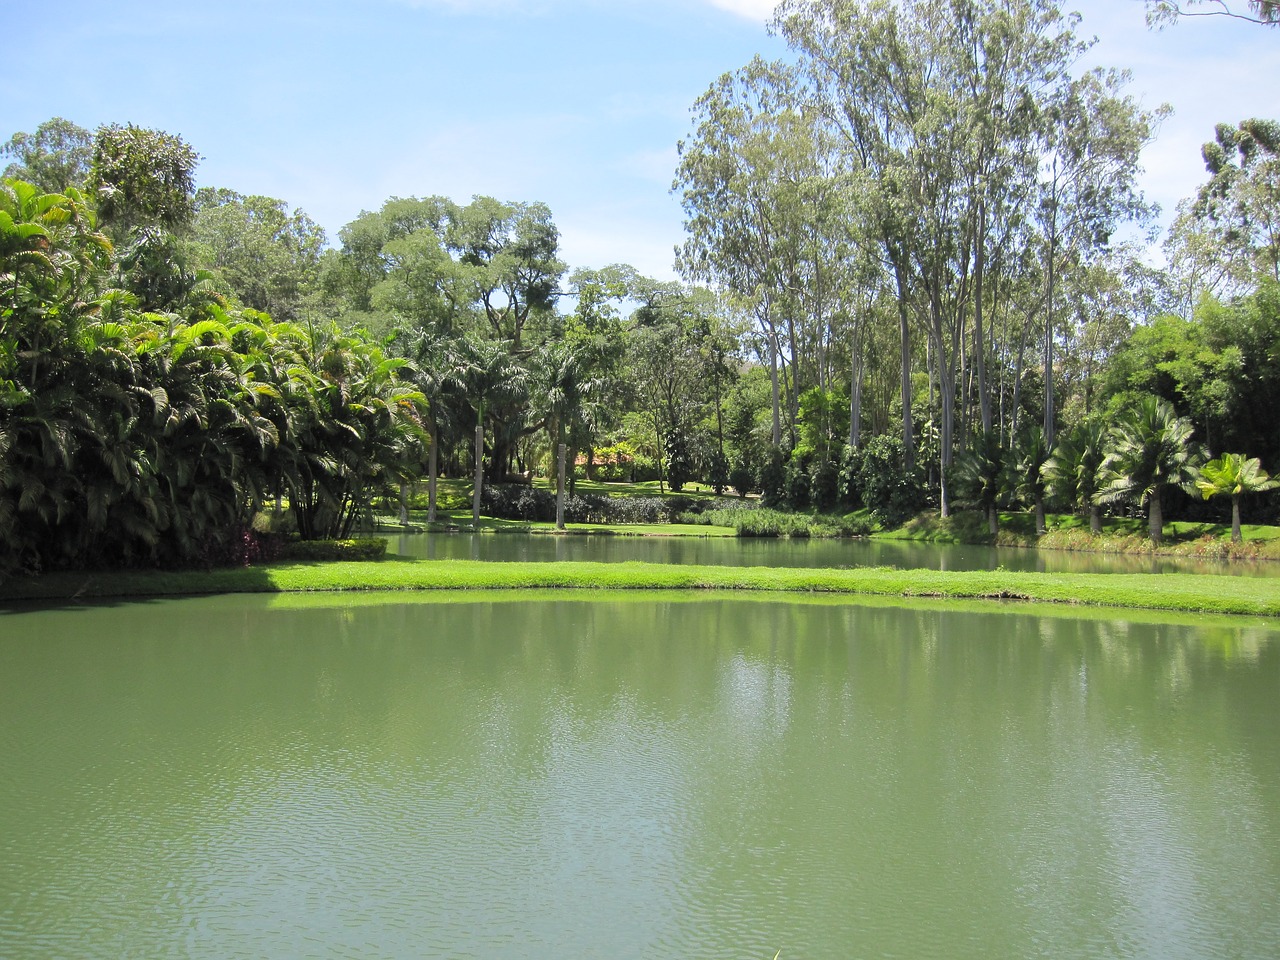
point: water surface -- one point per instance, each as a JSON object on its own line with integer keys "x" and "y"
{"x": 771, "y": 552}
{"x": 698, "y": 778}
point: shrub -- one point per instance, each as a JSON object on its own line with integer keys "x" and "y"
{"x": 244, "y": 547}
{"x": 741, "y": 479}
{"x": 773, "y": 478}
{"x": 751, "y": 521}
{"x": 718, "y": 472}
{"x": 890, "y": 491}
{"x": 824, "y": 479}
{"x": 679, "y": 459}
{"x": 367, "y": 548}
{"x": 797, "y": 494}
{"x": 848, "y": 482}
{"x": 513, "y": 502}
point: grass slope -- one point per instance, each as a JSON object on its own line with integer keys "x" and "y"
{"x": 1176, "y": 592}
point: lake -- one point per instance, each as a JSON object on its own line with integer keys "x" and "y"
{"x": 693, "y": 776}
{"x": 774, "y": 552}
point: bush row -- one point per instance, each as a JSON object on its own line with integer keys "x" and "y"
{"x": 764, "y": 522}
{"x": 365, "y": 548}
{"x": 517, "y": 502}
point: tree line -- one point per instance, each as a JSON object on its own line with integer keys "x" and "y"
{"x": 931, "y": 215}
{"x": 904, "y": 287}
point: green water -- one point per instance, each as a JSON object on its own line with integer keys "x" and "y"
{"x": 769, "y": 552}
{"x": 624, "y": 778}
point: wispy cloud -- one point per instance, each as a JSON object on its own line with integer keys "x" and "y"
{"x": 759, "y": 10}
{"x": 482, "y": 7}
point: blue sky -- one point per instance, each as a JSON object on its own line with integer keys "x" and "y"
{"x": 336, "y": 105}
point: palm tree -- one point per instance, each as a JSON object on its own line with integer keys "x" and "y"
{"x": 1151, "y": 449}
{"x": 493, "y": 378}
{"x": 1073, "y": 469}
{"x": 562, "y": 396}
{"x": 439, "y": 371}
{"x": 980, "y": 477}
{"x": 1233, "y": 476}
{"x": 1030, "y": 481}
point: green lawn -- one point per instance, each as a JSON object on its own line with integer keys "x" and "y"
{"x": 1176, "y": 592}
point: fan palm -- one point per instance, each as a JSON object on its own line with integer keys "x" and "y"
{"x": 1233, "y": 476}
{"x": 1073, "y": 469}
{"x": 1030, "y": 481}
{"x": 1151, "y": 449}
{"x": 980, "y": 477}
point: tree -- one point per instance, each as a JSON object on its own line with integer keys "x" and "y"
{"x": 268, "y": 255}
{"x": 142, "y": 178}
{"x": 439, "y": 370}
{"x": 950, "y": 122}
{"x": 1228, "y": 237}
{"x": 981, "y": 473}
{"x": 1231, "y": 475}
{"x": 493, "y": 379}
{"x": 1163, "y": 12}
{"x": 1030, "y": 477}
{"x": 562, "y": 392}
{"x": 1073, "y": 470}
{"x": 507, "y": 259}
{"x": 1088, "y": 187}
{"x": 53, "y": 159}
{"x": 1151, "y": 449}
{"x": 739, "y": 178}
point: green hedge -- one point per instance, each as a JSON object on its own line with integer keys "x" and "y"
{"x": 366, "y": 548}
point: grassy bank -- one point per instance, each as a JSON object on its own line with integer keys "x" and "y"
{"x": 1206, "y": 541}
{"x": 1177, "y": 592}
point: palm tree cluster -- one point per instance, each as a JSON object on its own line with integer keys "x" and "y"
{"x": 1145, "y": 452}
{"x": 133, "y": 436}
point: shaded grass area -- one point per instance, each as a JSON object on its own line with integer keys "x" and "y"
{"x": 1191, "y": 593}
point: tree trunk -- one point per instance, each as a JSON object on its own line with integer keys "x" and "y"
{"x": 1049, "y": 413}
{"x": 904, "y": 331}
{"x": 1155, "y": 525}
{"x": 855, "y": 399}
{"x": 1237, "y": 535}
{"x": 404, "y": 504}
{"x": 1041, "y": 528}
{"x": 979, "y": 348}
{"x": 475, "y": 496}
{"x": 1095, "y": 519}
{"x": 560, "y": 487}
{"x": 433, "y": 460}
{"x": 773, "y": 382}
{"x": 993, "y": 519}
